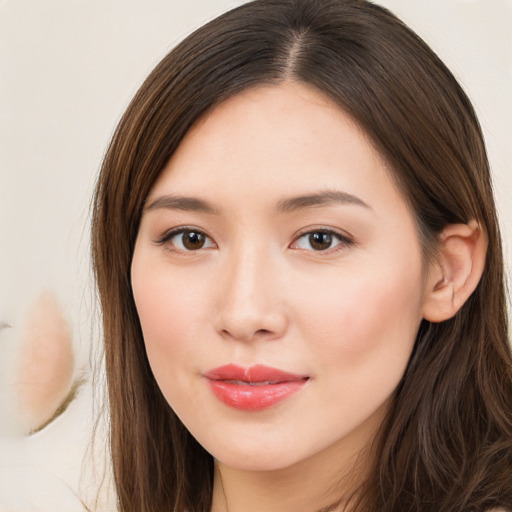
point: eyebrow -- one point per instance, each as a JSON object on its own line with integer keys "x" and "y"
{"x": 189, "y": 204}
{"x": 194, "y": 204}
{"x": 324, "y": 198}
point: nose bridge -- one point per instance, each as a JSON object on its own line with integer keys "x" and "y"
{"x": 250, "y": 305}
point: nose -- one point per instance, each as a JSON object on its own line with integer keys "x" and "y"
{"x": 251, "y": 303}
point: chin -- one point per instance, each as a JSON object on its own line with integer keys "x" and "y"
{"x": 262, "y": 460}
{"x": 257, "y": 453}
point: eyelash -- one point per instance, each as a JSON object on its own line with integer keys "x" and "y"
{"x": 168, "y": 236}
{"x": 343, "y": 240}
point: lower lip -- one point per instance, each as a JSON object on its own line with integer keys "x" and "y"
{"x": 254, "y": 398}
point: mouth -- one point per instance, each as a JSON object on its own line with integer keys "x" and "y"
{"x": 253, "y": 389}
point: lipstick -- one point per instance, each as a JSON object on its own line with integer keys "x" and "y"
{"x": 255, "y": 388}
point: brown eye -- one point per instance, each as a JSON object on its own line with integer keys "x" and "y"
{"x": 187, "y": 240}
{"x": 320, "y": 241}
{"x": 192, "y": 240}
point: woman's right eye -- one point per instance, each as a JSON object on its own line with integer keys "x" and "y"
{"x": 187, "y": 240}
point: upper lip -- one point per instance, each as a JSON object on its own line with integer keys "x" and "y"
{"x": 256, "y": 373}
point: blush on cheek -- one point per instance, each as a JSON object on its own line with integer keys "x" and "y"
{"x": 173, "y": 330}
{"x": 366, "y": 316}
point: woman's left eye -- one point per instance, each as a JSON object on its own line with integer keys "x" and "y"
{"x": 320, "y": 240}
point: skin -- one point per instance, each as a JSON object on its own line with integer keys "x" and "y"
{"x": 257, "y": 292}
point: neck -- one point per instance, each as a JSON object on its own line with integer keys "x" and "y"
{"x": 324, "y": 482}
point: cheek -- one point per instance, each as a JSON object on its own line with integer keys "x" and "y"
{"x": 361, "y": 334}
{"x": 170, "y": 309}
{"x": 365, "y": 320}
{"x": 169, "y": 317}
{"x": 166, "y": 313}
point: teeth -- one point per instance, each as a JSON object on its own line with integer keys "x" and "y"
{"x": 243, "y": 383}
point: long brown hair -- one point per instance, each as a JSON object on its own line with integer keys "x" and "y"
{"x": 447, "y": 442}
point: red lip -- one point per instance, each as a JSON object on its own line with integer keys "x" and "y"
{"x": 255, "y": 388}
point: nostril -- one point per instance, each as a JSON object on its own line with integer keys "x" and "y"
{"x": 249, "y": 335}
{"x": 263, "y": 332}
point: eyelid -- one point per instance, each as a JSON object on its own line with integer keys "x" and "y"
{"x": 171, "y": 233}
{"x": 344, "y": 239}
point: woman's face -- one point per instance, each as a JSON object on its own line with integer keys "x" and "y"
{"x": 279, "y": 281}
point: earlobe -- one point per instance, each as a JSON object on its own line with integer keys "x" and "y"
{"x": 456, "y": 271}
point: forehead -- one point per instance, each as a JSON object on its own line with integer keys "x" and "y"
{"x": 276, "y": 140}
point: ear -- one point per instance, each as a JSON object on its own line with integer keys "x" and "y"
{"x": 456, "y": 271}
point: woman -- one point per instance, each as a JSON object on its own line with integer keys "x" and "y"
{"x": 300, "y": 270}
